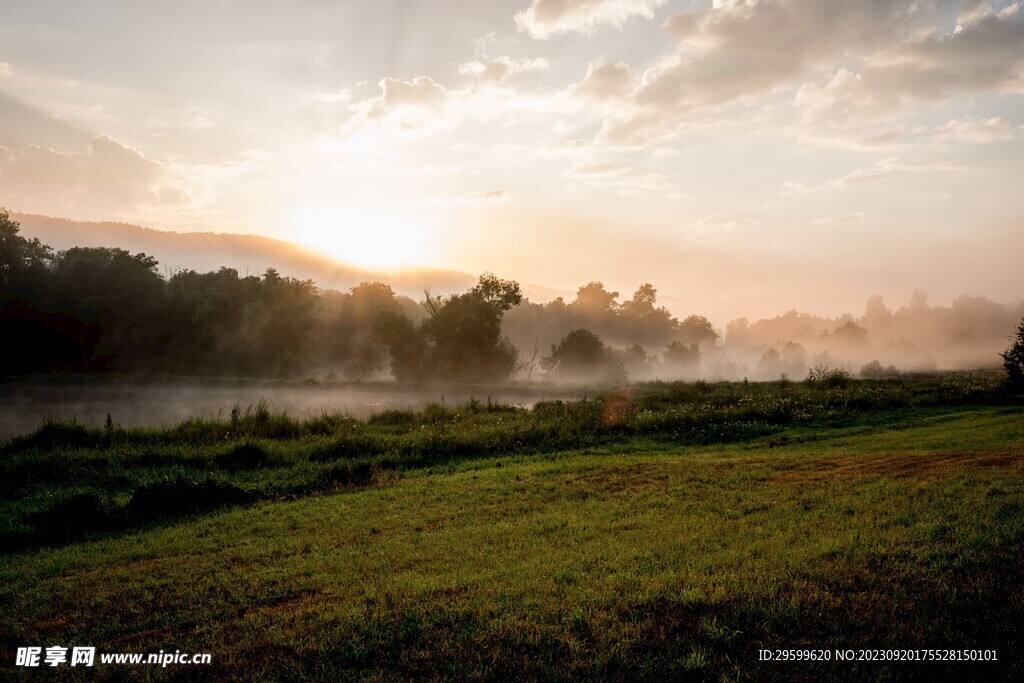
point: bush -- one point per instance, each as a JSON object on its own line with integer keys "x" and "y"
{"x": 1013, "y": 358}
{"x": 874, "y": 370}
{"x": 176, "y": 497}
{"x": 826, "y": 378}
{"x": 393, "y": 416}
{"x": 72, "y": 517}
{"x": 245, "y": 456}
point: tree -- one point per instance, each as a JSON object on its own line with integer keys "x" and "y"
{"x": 683, "y": 358}
{"x": 641, "y": 318}
{"x": 20, "y": 257}
{"x": 1013, "y": 358}
{"x": 351, "y": 334}
{"x": 461, "y": 338}
{"x": 697, "y": 329}
{"x": 594, "y": 300}
{"x": 500, "y": 294}
{"x": 581, "y": 353}
{"x": 408, "y": 347}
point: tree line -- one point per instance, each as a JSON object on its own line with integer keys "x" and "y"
{"x": 103, "y": 309}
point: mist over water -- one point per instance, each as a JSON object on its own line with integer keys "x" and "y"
{"x": 25, "y": 405}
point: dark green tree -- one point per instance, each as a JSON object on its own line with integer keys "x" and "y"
{"x": 461, "y": 339}
{"x": 20, "y": 259}
{"x": 581, "y": 353}
{"x": 697, "y": 329}
{"x": 683, "y": 358}
{"x": 1013, "y": 358}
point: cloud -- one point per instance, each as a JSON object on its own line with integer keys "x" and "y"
{"x": 881, "y": 57}
{"x": 503, "y": 69}
{"x": 845, "y": 109}
{"x": 624, "y": 178}
{"x": 741, "y": 48}
{"x": 5, "y": 69}
{"x": 605, "y": 81}
{"x": 846, "y": 218}
{"x": 490, "y": 194}
{"x": 880, "y": 170}
{"x": 737, "y": 50}
{"x": 892, "y": 166}
{"x": 545, "y": 18}
{"x": 107, "y": 179}
{"x": 401, "y": 105}
{"x": 985, "y": 53}
{"x": 977, "y": 130}
{"x": 335, "y": 97}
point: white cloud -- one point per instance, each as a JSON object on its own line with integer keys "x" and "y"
{"x": 545, "y": 18}
{"x": 503, "y": 69}
{"x": 880, "y": 170}
{"x": 5, "y": 69}
{"x": 716, "y": 225}
{"x": 623, "y": 178}
{"x": 107, "y": 179}
{"x": 605, "y": 81}
{"x": 977, "y": 130}
{"x": 882, "y": 56}
{"x": 855, "y": 217}
{"x": 335, "y": 97}
{"x": 401, "y": 106}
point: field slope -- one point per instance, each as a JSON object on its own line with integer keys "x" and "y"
{"x": 630, "y": 560}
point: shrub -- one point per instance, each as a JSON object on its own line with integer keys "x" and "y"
{"x": 826, "y": 378}
{"x": 245, "y": 456}
{"x": 1013, "y": 358}
{"x": 180, "y": 496}
{"x": 874, "y": 370}
{"x": 72, "y": 517}
{"x": 393, "y": 416}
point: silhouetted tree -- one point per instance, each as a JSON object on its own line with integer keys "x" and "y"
{"x": 407, "y": 346}
{"x": 461, "y": 338}
{"x": 1013, "y": 358}
{"x": 581, "y": 353}
{"x": 683, "y": 358}
{"x": 697, "y": 329}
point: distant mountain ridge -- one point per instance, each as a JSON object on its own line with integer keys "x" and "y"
{"x": 248, "y": 254}
{"x": 253, "y": 254}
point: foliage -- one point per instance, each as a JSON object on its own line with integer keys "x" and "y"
{"x": 581, "y": 352}
{"x": 874, "y": 370}
{"x": 1013, "y": 358}
{"x": 827, "y": 378}
{"x": 460, "y": 340}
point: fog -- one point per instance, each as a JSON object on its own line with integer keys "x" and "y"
{"x": 645, "y": 342}
{"x": 25, "y": 405}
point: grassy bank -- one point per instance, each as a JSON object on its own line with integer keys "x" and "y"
{"x": 635, "y": 558}
{"x": 67, "y": 482}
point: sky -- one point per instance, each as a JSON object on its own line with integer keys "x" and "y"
{"x": 776, "y": 153}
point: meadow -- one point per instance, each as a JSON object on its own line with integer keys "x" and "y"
{"x": 666, "y": 532}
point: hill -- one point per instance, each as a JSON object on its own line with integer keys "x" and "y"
{"x": 204, "y": 251}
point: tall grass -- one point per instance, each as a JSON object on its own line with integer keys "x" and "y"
{"x": 65, "y": 480}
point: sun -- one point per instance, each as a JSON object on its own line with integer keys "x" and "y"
{"x": 364, "y": 238}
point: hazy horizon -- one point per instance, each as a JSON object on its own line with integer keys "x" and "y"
{"x": 783, "y": 154}
{"x": 410, "y": 282}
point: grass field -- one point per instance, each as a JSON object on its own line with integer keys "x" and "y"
{"x": 637, "y": 556}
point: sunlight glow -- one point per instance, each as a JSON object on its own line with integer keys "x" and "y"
{"x": 364, "y": 238}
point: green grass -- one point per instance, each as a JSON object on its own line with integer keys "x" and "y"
{"x": 634, "y": 556}
{"x": 66, "y": 482}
